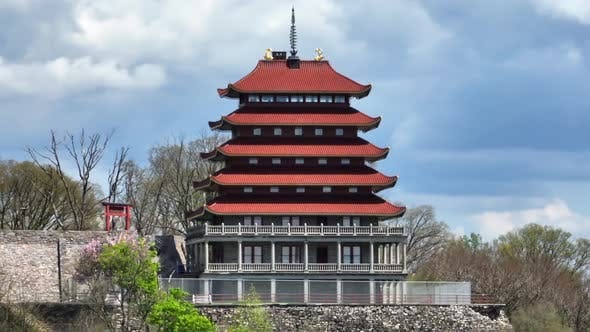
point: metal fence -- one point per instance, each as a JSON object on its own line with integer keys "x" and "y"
{"x": 309, "y": 291}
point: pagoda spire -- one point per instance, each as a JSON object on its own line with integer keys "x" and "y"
{"x": 293, "y": 34}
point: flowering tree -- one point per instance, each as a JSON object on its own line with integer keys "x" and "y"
{"x": 122, "y": 272}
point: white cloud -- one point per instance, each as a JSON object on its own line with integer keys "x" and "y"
{"x": 554, "y": 213}
{"x": 62, "y": 76}
{"x": 578, "y": 10}
{"x": 195, "y": 32}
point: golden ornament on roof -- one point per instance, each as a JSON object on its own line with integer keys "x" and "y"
{"x": 268, "y": 54}
{"x": 319, "y": 55}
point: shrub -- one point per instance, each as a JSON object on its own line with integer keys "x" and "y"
{"x": 174, "y": 314}
{"x": 251, "y": 315}
{"x": 540, "y": 317}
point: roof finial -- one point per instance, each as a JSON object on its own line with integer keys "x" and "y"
{"x": 293, "y": 34}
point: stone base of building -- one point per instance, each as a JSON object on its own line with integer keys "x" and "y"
{"x": 372, "y": 318}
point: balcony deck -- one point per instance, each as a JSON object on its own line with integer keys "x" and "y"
{"x": 305, "y": 230}
{"x": 300, "y": 267}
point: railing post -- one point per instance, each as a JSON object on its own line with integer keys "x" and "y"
{"x": 371, "y": 229}
{"x": 405, "y": 249}
{"x": 372, "y": 291}
{"x": 206, "y": 228}
{"x": 338, "y": 291}
{"x": 239, "y": 228}
{"x": 239, "y": 255}
{"x": 240, "y": 287}
{"x": 306, "y": 291}
{"x": 338, "y": 266}
{"x": 306, "y": 257}
{"x": 206, "y": 256}
{"x": 273, "y": 290}
{"x": 222, "y": 229}
{"x": 288, "y": 228}
{"x": 371, "y": 258}
{"x": 305, "y": 229}
{"x": 255, "y": 229}
{"x": 272, "y": 229}
{"x": 353, "y": 229}
{"x": 272, "y": 256}
{"x": 321, "y": 228}
{"x": 338, "y": 229}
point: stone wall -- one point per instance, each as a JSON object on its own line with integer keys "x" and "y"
{"x": 373, "y": 318}
{"x": 31, "y": 267}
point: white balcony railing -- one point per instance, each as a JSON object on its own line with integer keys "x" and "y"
{"x": 321, "y": 230}
{"x": 256, "y": 267}
{"x": 223, "y": 267}
{"x": 361, "y": 267}
{"x": 300, "y": 267}
{"x": 323, "y": 267}
{"x": 289, "y": 267}
{"x": 388, "y": 267}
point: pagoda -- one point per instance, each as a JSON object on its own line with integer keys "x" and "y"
{"x": 296, "y": 201}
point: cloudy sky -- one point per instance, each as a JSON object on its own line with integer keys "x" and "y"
{"x": 485, "y": 103}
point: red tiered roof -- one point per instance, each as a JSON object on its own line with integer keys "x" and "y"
{"x": 296, "y": 114}
{"x": 347, "y": 205}
{"x": 354, "y": 176}
{"x": 297, "y": 147}
{"x": 311, "y": 77}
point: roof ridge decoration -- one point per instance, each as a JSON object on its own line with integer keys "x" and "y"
{"x": 293, "y": 34}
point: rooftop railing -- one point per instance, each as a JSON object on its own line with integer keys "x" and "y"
{"x": 300, "y": 267}
{"x": 304, "y": 230}
{"x": 311, "y": 291}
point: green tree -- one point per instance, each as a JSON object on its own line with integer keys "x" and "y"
{"x": 126, "y": 269}
{"x": 251, "y": 315}
{"x": 174, "y": 314}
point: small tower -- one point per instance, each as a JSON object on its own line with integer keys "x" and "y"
{"x": 116, "y": 210}
{"x": 293, "y": 60}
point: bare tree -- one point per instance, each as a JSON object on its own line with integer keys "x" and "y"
{"x": 178, "y": 165}
{"x": 85, "y": 152}
{"x": 426, "y": 235}
{"x": 143, "y": 190}
{"x": 116, "y": 174}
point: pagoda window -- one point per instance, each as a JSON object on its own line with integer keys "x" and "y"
{"x": 251, "y": 221}
{"x": 253, "y": 161}
{"x": 296, "y": 99}
{"x": 298, "y": 131}
{"x": 300, "y": 190}
{"x": 276, "y": 161}
{"x": 274, "y": 189}
{"x": 253, "y": 98}
{"x": 311, "y": 99}
{"x": 339, "y": 99}
{"x": 351, "y": 254}
{"x": 267, "y": 99}
{"x": 248, "y": 189}
{"x": 348, "y": 221}
{"x": 288, "y": 220}
{"x": 252, "y": 254}
{"x": 353, "y": 190}
{"x": 278, "y": 131}
{"x": 319, "y": 131}
{"x": 282, "y": 99}
{"x": 322, "y": 161}
{"x": 339, "y": 131}
{"x": 345, "y": 161}
{"x": 257, "y": 131}
{"x": 325, "y": 99}
{"x": 299, "y": 161}
{"x": 290, "y": 254}
{"x": 327, "y": 189}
